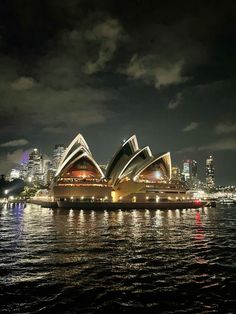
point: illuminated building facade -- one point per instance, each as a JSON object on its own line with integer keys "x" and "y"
{"x": 14, "y": 174}
{"x": 133, "y": 175}
{"x": 139, "y": 176}
{"x": 186, "y": 170}
{"x": 35, "y": 166}
{"x": 194, "y": 169}
{"x": 210, "y": 172}
{"x": 176, "y": 175}
{"x": 79, "y": 177}
{"x": 190, "y": 173}
{"x": 24, "y": 166}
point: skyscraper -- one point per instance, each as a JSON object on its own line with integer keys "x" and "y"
{"x": 35, "y": 166}
{"x": 47, "y": 168}
{"x": 57, "y": 155}
{"x": 186, "y": 170}
{"x": 24, "y": 166}
{"x": 194, "y": 170}
{"x": 210, "y": 172}
{"x": 14, "y": 174}
{"x": 190, "y": 173}
{"x": 194, "y": 180}
{"x": 24, "y": 170}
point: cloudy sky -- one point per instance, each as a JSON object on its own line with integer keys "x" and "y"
{"x": 165, "y": 70}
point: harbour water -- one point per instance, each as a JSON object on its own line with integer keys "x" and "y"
{"x": 137, "y": 261}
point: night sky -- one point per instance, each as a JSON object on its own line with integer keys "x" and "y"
{"x": 165, "y": 70}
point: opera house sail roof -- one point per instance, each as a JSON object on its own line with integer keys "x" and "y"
{"x": 78, "y": 162}
{"x": 129, "y": 163}
{"x": 156, "y": 168}
{"x": 136, "y": 164}
{"x": 123, "y": 154}
{"x": 133, "y": 174}
{"x": 133, "y": 163}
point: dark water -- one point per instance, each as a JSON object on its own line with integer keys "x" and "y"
{"x": 125, "y": 261}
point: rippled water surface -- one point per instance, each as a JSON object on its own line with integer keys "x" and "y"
{"x": 68, "y": 261}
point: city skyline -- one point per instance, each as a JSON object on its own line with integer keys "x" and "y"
{"x": 188, "y": 170}
{"x": 23, "y": 157}
{"x": 113, "y": 69}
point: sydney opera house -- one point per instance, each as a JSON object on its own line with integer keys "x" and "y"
{"x": 134, "y": 174}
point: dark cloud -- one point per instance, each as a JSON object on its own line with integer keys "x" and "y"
{"x": 185, "y": 150}
{"x": 11, "y": 159}
{"x": 174, "y": 103}
{"x": 225, "y": 127}
{"x": 46, "y": 107}
{"x": 112, "y": 68}
{"x": 191, "y": 126}
{"x": 14, "y": 143}
{"x": 107, "y": 34}
{"x": 152, "y": 70}
{"x": 23, "y": 83}
{"x": 226, "y": 144}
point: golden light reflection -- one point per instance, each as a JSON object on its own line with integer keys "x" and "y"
{"x": 177, "y": 213}
{"x": 170, "y": 214}
{"x": 135, "y": 225}
{"x": 120, "y": 216}
{"x": 92, "y": 214}
{"x": 81, "y": 218}
{"x": 147, "y": 214}
{"x": 93, "y": 219}
{"x": 71, "y": 215}
{"x": 158, "y": 218}
{"x": 106, "y": 217}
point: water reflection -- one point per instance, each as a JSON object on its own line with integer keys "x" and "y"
{"x": 120, "y": 217}
{"x": 151, "y": 257}
{"x": 200, "y": 235}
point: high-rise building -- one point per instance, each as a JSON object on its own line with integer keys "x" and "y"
{"x": 35, "y": 166}
{"x": 175, "y": 174}
{"x": 194, "y": 183}
{"x": 186, "y": 170}
{"x": 57, "y": 155}
{"x": 24, "y": 166}
{"x": 194, "y": 169}
{"x": 190, "y": 173}
{"x": 14, "y": 174}
{"x": 23, "y": 170}
{"x": 210, "y": 172}
{"x": 47, "y": 168}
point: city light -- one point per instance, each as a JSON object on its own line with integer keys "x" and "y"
{"x": 117, "y": 156}
{"x": 151, "y": 177}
